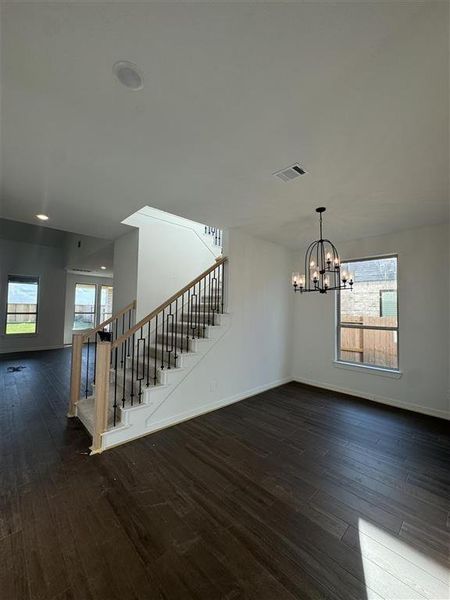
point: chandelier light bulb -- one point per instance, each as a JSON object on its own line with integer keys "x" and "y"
{"x": 312, "y": 264}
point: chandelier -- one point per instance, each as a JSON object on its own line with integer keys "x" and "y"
{"x": 322, "y": 267}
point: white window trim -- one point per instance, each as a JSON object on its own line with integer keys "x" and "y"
{"x": 364, "y": 367}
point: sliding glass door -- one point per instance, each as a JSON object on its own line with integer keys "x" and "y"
{"x": 93, "y": 305}
{"x": 85, "y": 304}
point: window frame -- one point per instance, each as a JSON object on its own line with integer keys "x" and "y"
{"x": 15, "y": 277}
{"x": 338, "y": 326}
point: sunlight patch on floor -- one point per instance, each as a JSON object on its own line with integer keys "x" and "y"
{"x": 395, "y": 569}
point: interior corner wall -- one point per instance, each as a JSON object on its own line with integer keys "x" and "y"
{"x": 125, "y": 269}
{"x": 423, "y": 295}
{"x": 170, "y": 256}
{"x": 253, "y": 354}
{"x": 71, "y": 280}
{"x": 45, "y": 262}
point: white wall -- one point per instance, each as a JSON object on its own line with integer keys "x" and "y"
{"x": 423, "y": 292}
{"x": 71, "y": 280}
{"x": 171, "y": 253}
{"x": 254, "y": 353}
{"x": 125, "y": 269}
{"x": 45, "y": 262}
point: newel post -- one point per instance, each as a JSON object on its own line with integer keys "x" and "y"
{"x": 75, "y": 372}
{"x": 101, "y": 395}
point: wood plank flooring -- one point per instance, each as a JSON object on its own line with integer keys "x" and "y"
{"x": 296, "y": 493}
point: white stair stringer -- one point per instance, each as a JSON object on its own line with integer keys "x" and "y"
{"x": 138, "y": 420}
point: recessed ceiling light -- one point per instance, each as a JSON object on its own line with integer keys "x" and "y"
{"x": 103, "y": 268}
{"x": 42, "y": 217}
{"x": 129, "y": 75}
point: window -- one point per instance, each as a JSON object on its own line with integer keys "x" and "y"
{"x": 85, "y": 303}
{"x": 93, "y": 305}
{"x": 22, "y": 308}
{"x": 367, "y": 317}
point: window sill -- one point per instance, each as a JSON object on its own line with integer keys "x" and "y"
{"x": 368, "y": 369}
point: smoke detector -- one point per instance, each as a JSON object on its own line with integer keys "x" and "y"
{"x": 290, "y": 173}
{"x": 129, "y": 75}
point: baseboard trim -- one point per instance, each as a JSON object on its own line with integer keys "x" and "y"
{"x": 203, "y": 410}
{"x": 425, "y": 410}
{"x": 3, "y": 353}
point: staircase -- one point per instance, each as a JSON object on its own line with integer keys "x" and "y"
{"x": 128, "y": 377}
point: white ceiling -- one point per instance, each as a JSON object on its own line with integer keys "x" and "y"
{"x": 357, "y": 92}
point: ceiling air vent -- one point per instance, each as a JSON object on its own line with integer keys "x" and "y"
{"x": 82, "y": 270}
{"x": 290, "y": 173}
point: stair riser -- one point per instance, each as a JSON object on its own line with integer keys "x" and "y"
{"x": 181, "y": 342}
{"x": 211, "y": 319}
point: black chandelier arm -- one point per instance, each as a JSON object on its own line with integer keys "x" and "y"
{"x": 308, "y": 256}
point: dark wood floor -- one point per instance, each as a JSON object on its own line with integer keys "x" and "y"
{"x": 295, "y": 493}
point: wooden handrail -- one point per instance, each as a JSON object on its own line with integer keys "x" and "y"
{"x": 87, "y": 334}
{"x": 165, "y": 304}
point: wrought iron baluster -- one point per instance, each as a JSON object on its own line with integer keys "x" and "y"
{"x": 155, "y": 372}
{"x": 169, "y": 337}
{"x": 213, "y": 294}
{"x": 162, "y": 339}
{"x": 193, "y": 310}
{"x": 124, "y": 372}
{"x": 172, "y": 333}
{"x": 122, "y": 353}
{"x": 182, "y": 324}
{"x": 204, "y": 305}
{"x": 216, "y": 275}
{"x": 188, "y": 322}
{"x": 132, "y": 370}
{"x": 115, "y": 387}
{"x": 139, "y": 359}
{"x": 199, "y": 309}
{"x": 223, "y": 285}
{"x": 209, "y": 298}
{"x": 87, "y": 370}
{"x": 177, "y": 337}
{"x": 129, "y": 327}
{"x": 148, "y": 354}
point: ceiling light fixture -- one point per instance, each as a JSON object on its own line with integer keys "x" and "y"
{"x": 42, "y": 217}
{"x": 322, "y": 267}
{"x": 128, "y": 74}
{"x": 103, "y": 268}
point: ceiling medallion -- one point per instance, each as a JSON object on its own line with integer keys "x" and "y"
{"x": 322, "y": 267}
